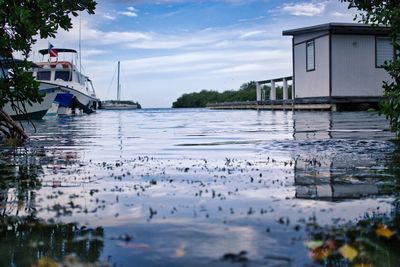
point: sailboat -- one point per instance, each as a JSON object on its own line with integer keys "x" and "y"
{"x": 118, "y": 104}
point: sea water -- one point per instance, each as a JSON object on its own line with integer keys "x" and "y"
{"x": 192, "y": 187}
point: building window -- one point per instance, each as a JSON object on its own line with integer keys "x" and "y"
{"x": 384, "y": 51}
{"x": 310, "y": 55}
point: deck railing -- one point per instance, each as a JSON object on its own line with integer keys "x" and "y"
{"x": 272, "y": 83}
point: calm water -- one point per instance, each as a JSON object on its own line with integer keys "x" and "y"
{"x": 193, "y": 187}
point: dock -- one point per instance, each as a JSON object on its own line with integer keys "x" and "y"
{"x": 288, "y": 102}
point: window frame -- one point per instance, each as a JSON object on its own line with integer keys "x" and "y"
{"x": 376, "y": 51}
{"x": 61, "y": 77}
{"x": 43, "y": 71}
{"x": 313, "y": 46}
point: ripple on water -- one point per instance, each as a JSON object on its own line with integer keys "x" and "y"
{"x": 195, "y": 187}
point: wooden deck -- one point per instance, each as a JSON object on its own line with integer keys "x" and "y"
{"x": 331, "y": 104}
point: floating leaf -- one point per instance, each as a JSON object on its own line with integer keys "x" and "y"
{"x": 348, "y": 252}
{"x": 383, "y": 230}
{"x": 314, "y": 244}
{"x": 46, "y": 262}
{"x": 363, "y": 265}
{"x": 320, "y": 254}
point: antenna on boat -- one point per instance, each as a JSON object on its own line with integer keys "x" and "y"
{"x": 118, "y": 85}
{"x": 80, "y": 37}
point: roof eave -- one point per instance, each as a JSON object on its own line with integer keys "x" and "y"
{"x": 341, "y": 28}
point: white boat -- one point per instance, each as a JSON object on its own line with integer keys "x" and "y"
{"x": 65, "y": 75}
{"x": 33, "y": 111}
{"x": 24, "y": 110}
{"x": 118, "y": 104}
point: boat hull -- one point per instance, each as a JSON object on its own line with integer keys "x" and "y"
{"x": 34, "y": 111}
{"x": 86, "y": 102}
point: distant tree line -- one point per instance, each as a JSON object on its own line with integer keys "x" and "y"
{"x": 246, "y": 92}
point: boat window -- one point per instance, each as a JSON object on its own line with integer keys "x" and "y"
{"x": 63, "y": 75}
{"x": 43, "y": 75}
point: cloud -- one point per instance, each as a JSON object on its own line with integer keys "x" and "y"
{"x": 303, "y": 9}
{"x": 131, "y": 12}
{"x": 106, "y": 15}
{"x": 338, "y": 14}
{"x": 251, "y": 34}
{"x": 128, "y": 13}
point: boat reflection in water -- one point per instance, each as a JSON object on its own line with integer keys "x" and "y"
{"x": 26, "y": 239}
{"x": 350, "y": 168}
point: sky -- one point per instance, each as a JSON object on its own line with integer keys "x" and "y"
{"x": 171, "y": 47}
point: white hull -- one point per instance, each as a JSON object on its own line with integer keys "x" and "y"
{"x": 34, "y": 110}
{"x": 82, "y": 97}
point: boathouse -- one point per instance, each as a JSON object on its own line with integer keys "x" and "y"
{"x": 340, "y": 61}
{"x": 336, "y": 66}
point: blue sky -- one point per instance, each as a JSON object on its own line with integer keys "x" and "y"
{"x": 171, "y": 47}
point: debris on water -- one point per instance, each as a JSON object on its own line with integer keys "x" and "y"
{"x": 123, "y": 237}
{"x": 240, "y": 257}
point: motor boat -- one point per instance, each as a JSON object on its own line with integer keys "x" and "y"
{"x": 78, "y": 91}
{"x": 24, "y": 110}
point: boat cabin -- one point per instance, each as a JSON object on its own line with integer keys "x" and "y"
{"x": 63, "y": 73}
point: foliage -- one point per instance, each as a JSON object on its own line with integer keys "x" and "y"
{"x": 373, "y": 241}
{"x": 378, "y": 12}
{"x": 126, "y": 102}
{"x": 247, "y": 92}
{"x": 20, "y": 22}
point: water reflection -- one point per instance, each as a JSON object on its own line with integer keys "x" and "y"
{"x": 343, "y": 157}
{"x": 192, "y": 186}
{"x": 18, "y": 185}
{"x": 26, "y": 240}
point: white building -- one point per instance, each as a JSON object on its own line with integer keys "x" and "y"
{"x": 338, "y": 60}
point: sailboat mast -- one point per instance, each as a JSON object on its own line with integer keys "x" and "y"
{"x": 118, "y": 85}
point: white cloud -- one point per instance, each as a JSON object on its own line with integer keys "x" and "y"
{"x": 128, "y": 13}
{"x": 251, "y": 34}
{"x": 303, "y": 9}
{"x": 338, "y": 14}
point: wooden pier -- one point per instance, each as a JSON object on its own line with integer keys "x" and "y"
{"x": 352, "y": 103}
{"x": 331, "y": 104}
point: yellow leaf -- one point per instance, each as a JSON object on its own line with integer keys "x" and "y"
{"x": 383, "y": 230}
{"x": 348, "y": 252}
{"x": 46, "y": 262}
{"x": 363, "y": 265}
{"x": 314, "y": 244}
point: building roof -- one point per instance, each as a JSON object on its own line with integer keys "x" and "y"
{"x": 341, "y": 28}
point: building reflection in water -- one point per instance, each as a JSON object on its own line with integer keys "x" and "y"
{"x": 341, "y": 155}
